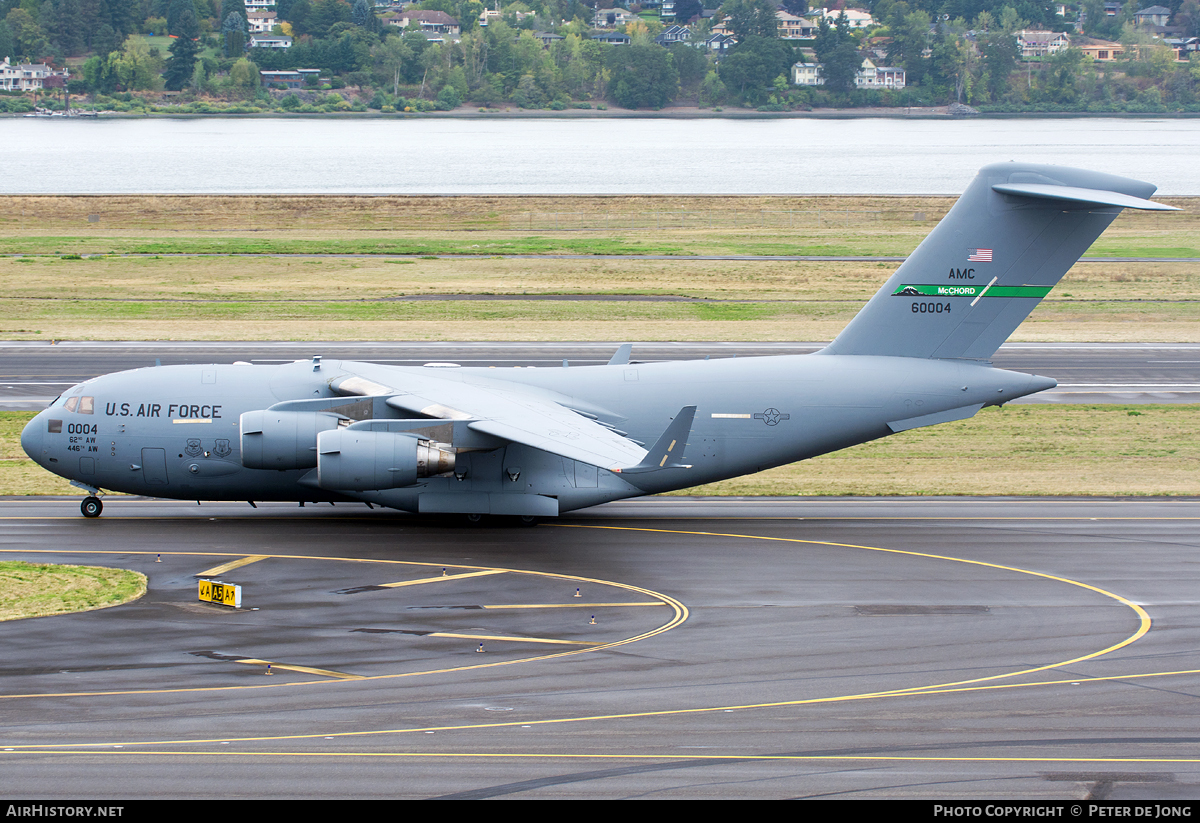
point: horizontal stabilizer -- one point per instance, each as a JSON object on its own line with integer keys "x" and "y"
{"x": 668, "y": 450}
{"x": 1081, "y": 196}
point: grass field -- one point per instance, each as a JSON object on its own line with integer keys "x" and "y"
{"x": 1018, "y": 450}
{"x": 64, "y": 274}
{"x": 49, "y": 289}
{"x": 268, "y": 298}
{"x": 38, "y": 589}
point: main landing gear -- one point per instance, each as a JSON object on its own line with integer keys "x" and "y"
{"x": 506, "y": 520}
{"x": 91, "y": 506}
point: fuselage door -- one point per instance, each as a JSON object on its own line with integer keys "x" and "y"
{"x": 154, "y": 466}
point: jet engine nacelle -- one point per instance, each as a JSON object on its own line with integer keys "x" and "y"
{"x": 358, "y": 459}
{"x": 282, "y": 439}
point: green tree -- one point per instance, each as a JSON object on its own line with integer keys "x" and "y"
{"x": 712, "y": 90}
{"x": 67, "y": 24}
{"x": 182, "y": 62}
{"x": 237, "y": 7}
{"x": 1065, "y": 66}
{"x": 750, "y": 69}
{"x": 244, "y": 78}
{"x": 642, "y": 76}
{"x": 390, "y": 57}
{"x": 233, "y": 35}
{"x": 176, "y": 10}
{"x": 106, "y": 40}
{"x": 28, "y": 39}
{"x": 691, "y": 63}
{"x": 136, "y": 67}
{"x": 7, "y": 42}
{"x": 751, "y": 18}
{"x": 952, "y": 61}
{"x": 910, "y": 39}
{"x": 1188, "y": 18}
{"x": 836, "y": 49}
{"x": 685, "y": 10}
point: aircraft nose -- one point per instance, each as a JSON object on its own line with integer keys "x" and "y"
{"x": 31, "y": 437}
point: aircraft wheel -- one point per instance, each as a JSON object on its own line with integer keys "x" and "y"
{"x": 474, "y": 519}
{"x": 91, "y": 507}
{"x": 528, "y": 520}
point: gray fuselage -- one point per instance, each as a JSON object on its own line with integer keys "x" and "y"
{"x": 173, "y": 431}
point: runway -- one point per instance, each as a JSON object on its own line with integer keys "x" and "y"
{"x": 35, "y": 372}
{"x": 922, "y": 648}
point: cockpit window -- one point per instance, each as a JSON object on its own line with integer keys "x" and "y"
{"x": 86, "y": 404}
{"x": 72, "y": 402}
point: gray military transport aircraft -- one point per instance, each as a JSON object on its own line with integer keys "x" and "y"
{"x": 537, "y": 442}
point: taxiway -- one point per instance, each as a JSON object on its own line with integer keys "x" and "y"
{"x": 926, "y": 648}
{"x": 35, "y": 372}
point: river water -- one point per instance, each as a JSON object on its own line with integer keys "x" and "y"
{"x": 593, "y": 155}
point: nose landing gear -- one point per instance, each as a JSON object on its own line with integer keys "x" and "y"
{"x": 91, "y": 506}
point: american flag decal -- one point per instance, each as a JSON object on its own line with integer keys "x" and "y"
{"x": 979, "y": 255}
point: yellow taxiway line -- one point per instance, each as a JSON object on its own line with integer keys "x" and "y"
{"x": 230, "y": 566}
{"x": 254, "y": 661}
{"x": 441, "y": 579}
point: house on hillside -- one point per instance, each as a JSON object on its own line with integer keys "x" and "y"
{"x": 30, "y": 76}
{"x": 792, "y": 27}
{"x": 430, "y": 22}
{"x": 674, "y": 34}
{"x": 856, "y": 18}
{"x": 270, "y": 41}
{"x": 612, "y": 38}
{"x": 1102, "y": 51}
{"x": 1041, "y": 43}
{"x": 1152, "y": 16}
{"x": 718, "y": 44}
{"x": 869, "y": 76}
{"x": 261, "y": 22}
{"x": 614, "y": 18}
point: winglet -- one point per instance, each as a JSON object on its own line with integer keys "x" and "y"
{"x": 667, "y": 451}
{"x": 622, "y": 355}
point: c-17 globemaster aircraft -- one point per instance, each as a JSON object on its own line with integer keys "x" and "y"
{"x": 532, "y": 443}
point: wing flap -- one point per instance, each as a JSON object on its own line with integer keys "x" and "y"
{"x": 517, "y": 414}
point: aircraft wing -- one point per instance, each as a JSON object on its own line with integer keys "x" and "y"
{"x": 505, "y": 410}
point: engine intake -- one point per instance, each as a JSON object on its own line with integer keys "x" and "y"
{"x": 282, "y": 439}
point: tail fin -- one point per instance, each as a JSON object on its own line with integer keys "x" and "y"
{"x": 1009, "y": 239}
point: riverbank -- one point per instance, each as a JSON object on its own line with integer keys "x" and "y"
{"x": 467, "y": 112}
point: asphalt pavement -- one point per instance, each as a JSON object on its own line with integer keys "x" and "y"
{"x": 35, "y": 372}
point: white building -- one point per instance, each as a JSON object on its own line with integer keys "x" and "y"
{"x": 792, "y": 27}
{"x": 26, "y": 76}
{"x": 856, "y": 18}
{"x": 615, "y": 18}
{"x": 1041, "y": 43}
{"x": 261, "y": 22}
{"x": 270, "y": 41}
{"x": 869, "y": 76}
